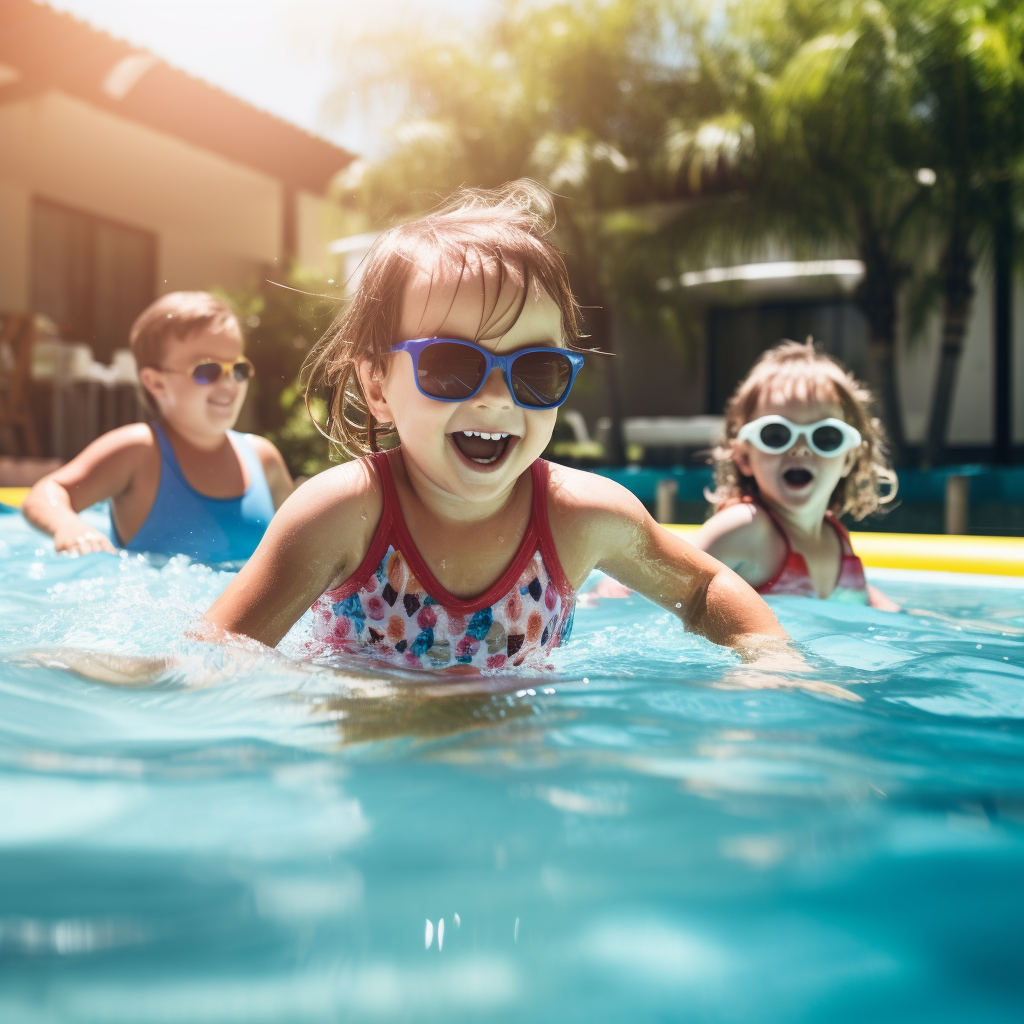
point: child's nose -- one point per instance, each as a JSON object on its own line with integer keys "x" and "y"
{"x": 495, "y": 392}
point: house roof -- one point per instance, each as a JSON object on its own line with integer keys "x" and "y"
{"x": 49, "y": 49}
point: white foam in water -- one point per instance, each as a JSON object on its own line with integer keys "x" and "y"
{"x": 636, "y": 833}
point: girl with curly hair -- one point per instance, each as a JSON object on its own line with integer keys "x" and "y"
{"x": 800, "y": 450}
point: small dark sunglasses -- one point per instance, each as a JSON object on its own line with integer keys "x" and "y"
{"x": 450, "y": 370}
{"x": 209, "y": 371}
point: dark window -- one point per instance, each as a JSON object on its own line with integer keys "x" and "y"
{"x": 91, "y": 276}
{"x": 738, "y": 335}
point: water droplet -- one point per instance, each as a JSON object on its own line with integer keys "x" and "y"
{"x": 458, "y": 921}
{"x": 440, "y": 935}
{"x": 515, "y": 931}
{"x": 586, "y": 681}
{"x": 428, "y": 934}
{"x": 679, "y": 604}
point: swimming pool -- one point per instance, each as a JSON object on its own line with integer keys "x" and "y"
{"x": 618, "y": 839}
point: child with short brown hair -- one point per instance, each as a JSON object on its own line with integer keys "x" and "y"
{"x": 186, "y": 483}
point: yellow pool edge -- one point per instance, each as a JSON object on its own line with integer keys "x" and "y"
{"x": 932, "y": 552}
{"x": 13, "y": 495}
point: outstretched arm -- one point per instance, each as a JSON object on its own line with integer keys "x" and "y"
{"x": 710, "y": 598}
{"x": 598, "y": 524}
{"x": 103, "y": 470}
{"x": 315, "y": 541}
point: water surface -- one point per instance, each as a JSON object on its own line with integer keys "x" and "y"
{"x": 251, "y": 838}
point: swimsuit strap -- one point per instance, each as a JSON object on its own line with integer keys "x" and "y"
{"x": 393, "y": 531}
{"x": 784, "y": 565}
{"x": 541, "y": 473}
{"x": 844, "y": 536}
{"x": 845, "y": 546}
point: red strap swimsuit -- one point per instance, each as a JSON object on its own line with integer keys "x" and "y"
{"x": 794, "y": 578}
{"x": 393, "y": 607}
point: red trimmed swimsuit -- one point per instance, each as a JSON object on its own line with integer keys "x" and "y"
{"x": 393, "y": 608}
{"x": 794, "y": 579}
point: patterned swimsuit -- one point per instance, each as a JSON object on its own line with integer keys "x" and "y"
{"x": 393, "y": 608}
{"x": 794, "y": 578}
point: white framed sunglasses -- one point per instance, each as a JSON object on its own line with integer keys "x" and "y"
{"x": 775, "y": 434}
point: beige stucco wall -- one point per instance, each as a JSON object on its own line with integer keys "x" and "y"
{"x": 313, "y": 236}
{"x": 971, "y": 421}
{"x": 217, "y": 222}
{"x": 14, "y": 245}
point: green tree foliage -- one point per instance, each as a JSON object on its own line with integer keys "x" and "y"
{"x": 970, "y": 99}
{"x": 818, "y": 147}
{"x": 575, "y": 95}
{"x": 282, "y": 322}
{"x": 675, "y": 138}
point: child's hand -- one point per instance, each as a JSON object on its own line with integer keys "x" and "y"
{"x": 772, "y": 664}
{"x": 79, "y": 539}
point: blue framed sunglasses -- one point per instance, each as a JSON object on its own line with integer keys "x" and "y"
{"x": 449, "y": 370}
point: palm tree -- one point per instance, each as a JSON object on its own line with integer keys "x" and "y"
{"x": 575, "y": 95}
{"x": 815, "y": 145}
{"x": 969, "y": 59}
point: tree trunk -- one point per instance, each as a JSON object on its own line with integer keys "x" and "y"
{"x": 958, "y": 290}
{"x": 876, "y": 298}
{"x": 598, "y": 328}
{"x": 1002, "y": 377}
{"x": 584, "y": 268}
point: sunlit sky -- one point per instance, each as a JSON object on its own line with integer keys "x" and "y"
{"x": 280, "y": 55}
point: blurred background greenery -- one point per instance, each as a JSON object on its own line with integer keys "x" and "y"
{"x": 681, "y": 136}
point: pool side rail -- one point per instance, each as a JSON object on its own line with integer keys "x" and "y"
{"x": 933, "y": 552}
{"x": 992, "y": 556}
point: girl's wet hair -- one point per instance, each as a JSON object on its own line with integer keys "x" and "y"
{"x": 503, "y": 232}
{"x": 800, "y": 372}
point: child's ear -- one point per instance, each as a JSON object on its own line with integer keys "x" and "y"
{"x": 152, "y": 380}
{"x": 849, "y": 461}
{"x": 741, "y": 457}
{"x": 370, "y": 381}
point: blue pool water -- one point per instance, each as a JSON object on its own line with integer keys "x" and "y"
{"x": 254, "y": 839}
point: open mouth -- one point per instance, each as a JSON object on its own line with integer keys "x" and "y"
{"x": 798, "y": 477}
{"x": 481, "y": 447}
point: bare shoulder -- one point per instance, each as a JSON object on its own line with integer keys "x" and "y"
{"x": 744, "y": 537}
{"x": 135, "y": 439}
{"x": 590, "y": 499}
{"x": 279, "y": 480}
{"x": 591, "y": 518}
{"x": 120, "y": 451}
{"x": 266, "y": 451}
{"x": 337, "y": 510}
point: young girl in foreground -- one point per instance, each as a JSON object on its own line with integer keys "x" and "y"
{"x": 800, "y": 450}
{"x": 461, "y": 547}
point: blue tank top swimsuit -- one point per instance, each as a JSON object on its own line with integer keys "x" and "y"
{"x": 184, "y": 522}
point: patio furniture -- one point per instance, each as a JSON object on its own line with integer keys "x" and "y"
{"x": 85, "y": 398}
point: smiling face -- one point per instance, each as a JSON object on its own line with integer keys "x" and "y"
{"x": 474, "y": 450}
{"x": 797, "y": 480}
{"x": 200, "y": 412}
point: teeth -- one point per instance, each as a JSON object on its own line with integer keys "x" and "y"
{"x": 484, "y": 435}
